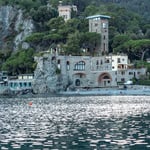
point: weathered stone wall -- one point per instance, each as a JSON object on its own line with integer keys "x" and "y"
{"x": 96, "y": 72}
{"x": 46, "y": 79}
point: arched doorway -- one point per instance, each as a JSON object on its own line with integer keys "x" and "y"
{"x": 104, "y": 80}
{"x": 77, "y": 82}
{"x": 79, "y": 79}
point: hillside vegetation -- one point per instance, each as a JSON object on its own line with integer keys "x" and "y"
{"x": 129, "y": 30}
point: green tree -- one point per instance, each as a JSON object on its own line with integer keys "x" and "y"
{"x": 90, "y": 41}
{"x": 118, "y": 41}
{"x": 28, "y": 4}
{"x": 55, "y": 24}
{"x": 42, "y": 15}
{"x": 136, "y": 48}
{"x": 20, "y": 62}
{"x": 52, "y": 38}
{"x": 147, "y": 34}
{"x": 72, "y": 45}
{"x": 90, "y": 10}
{"x": 54, "y": 3}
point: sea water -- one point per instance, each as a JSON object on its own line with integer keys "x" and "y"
{"x": 75, "y": 123}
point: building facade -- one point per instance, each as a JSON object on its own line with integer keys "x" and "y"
{"x": 65, "y": 11}
{"x": 102, "y": 71}
{"x": 22, "y": 82}
{"x": 86, "y": 71}
{"x": 99, "y": 24}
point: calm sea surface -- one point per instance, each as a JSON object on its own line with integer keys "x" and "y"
{"x": 75, "y": 123}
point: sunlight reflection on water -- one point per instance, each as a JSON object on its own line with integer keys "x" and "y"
{"x": 86, "y": 123}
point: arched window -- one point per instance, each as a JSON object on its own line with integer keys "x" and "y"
{"x": 30, "y": 84}
{"x": 20, "y": 84}
{"x": 97, "y": 64}
{"x": 80, "y": 66}
{"x": 58, "y": 63}
{"x": 25, "y": 84}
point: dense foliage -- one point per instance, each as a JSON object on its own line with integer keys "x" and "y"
{"x": 20, "y": 62}
{"x": 136, "y": 49}
{"x": 129, "y": 32}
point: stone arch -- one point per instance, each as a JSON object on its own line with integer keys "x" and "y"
{"x": 77, "y": 82}
{"x": 79, "y": 79}
{"x": 104, "y": 79}
{"x": 80, "y": 74}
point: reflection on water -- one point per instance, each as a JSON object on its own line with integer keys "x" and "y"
{"x": 75, "y": 123}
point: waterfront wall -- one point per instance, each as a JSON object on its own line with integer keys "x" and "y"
{"x": 59, "y": 73}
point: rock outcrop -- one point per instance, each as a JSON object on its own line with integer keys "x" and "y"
{"x": 24, "y": 27}
{"x": 46, "y": 77}
{"x": 14, "y": 28}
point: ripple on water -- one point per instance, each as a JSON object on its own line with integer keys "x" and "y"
{"x": 99, "y": 122}
{"x": 4, "y": 148}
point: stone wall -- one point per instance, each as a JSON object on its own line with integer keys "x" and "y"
{"x": 46, "y": 78}
{"x": 78, "y": 72}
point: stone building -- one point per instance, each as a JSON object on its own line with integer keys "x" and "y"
{"x": 83, "y": 71}
{"x": 56, "y": 72}
{"x": 100, "y": 71}
{"x": 99, "y": 24}
{"x": 65, "y": 11}
{"x": 22, "y": 82}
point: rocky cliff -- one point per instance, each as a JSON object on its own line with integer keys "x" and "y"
{"x": 14, "y": 28}
{"x": 46, "y": 77}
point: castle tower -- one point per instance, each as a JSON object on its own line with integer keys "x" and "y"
{"x": 65, "y": 10}
{"x": 99, "y": 24}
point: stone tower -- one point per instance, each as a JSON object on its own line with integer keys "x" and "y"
{"x": 99, "y": 24}
{"x": 65, "y": 10}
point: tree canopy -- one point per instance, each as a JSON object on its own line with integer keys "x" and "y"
{"x": 135, "y": 48}
{"x": 20, "y": 62}
{"x": 129, "y": 32}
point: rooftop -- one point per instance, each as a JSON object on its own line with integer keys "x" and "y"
{"x": 98, "y": 16}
